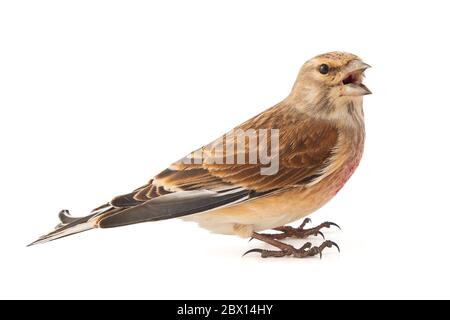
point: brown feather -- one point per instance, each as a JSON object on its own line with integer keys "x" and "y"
{"x": 301, "y": 157}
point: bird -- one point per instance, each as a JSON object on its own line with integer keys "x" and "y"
{"x": 272, "y": 170}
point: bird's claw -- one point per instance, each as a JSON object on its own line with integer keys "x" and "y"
{"x": 327, "y": 244}
{"x": 329, "y": 224}
{"x": 252, "y": 250}
{"x": 267, "y": 253}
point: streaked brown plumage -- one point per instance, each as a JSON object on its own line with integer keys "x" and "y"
{"x": 321, "y": 137}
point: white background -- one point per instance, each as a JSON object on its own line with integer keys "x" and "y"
{"x": 98, "y": 96}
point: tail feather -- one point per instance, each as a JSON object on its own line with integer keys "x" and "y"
{"x": 69, "y": 225}
{"x": 66, "y": 218}
{"x": 168, "y": 206}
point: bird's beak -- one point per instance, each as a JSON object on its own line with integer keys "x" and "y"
{"x": 353, "y": 76}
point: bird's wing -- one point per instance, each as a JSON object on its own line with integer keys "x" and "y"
{"x": 203, "y": 180}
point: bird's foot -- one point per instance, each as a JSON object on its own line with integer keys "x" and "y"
{"x": 301, "y": 232}
{"x": 307, "y": 250}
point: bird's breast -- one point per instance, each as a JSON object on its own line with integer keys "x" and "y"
{"x": 349, "y": 156}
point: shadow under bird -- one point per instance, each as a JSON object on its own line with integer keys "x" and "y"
{"x": 316, "y": 139}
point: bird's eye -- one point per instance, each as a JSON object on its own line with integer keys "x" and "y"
{"x": 324, "y": 68}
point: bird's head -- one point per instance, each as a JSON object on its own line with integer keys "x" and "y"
{"x": 329, "y": 81}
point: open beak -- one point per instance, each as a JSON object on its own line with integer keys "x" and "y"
{"x": 354, "y": 75}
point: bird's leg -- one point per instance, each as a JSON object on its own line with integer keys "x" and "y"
{"x": 300, "y": 232}
{"x": 307, "y": 250}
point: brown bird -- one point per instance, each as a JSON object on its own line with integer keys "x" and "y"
{"x": 273, "y": 169}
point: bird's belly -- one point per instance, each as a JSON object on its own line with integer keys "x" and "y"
{"x": 263, "y": 213}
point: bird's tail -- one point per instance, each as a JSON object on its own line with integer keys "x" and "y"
{"x": 70, "y": 225}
